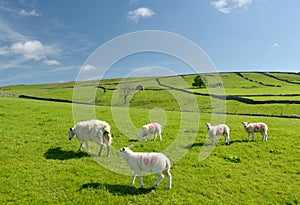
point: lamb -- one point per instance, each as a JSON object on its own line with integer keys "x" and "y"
{"x": 92, "y": 130}
{"x": 147, "y": 162}
{"x": 256, "y": 127}
{"x": 218, "y": 130}
{"x": 148, "y": 129}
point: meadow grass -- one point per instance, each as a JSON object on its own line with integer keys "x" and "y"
{"x": 39, "y": 165}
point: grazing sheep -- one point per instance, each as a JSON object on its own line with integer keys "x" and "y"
{"x": 147, "y": 162}
{"x": 218, "y": 130}
{"x": 149, "y": 129}
{"x": 92, "y": 130}
{"x": 256, "y": 127}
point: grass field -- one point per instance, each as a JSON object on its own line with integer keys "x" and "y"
{"x": 39, "y": 165}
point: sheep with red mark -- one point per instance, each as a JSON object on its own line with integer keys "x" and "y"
{"x": 147, "y": 162}
{"x": 218, "y": 130}
{"x": 92, "y": 130}
{"x": 148, "y": 129}
{"x": 261, "y": 127}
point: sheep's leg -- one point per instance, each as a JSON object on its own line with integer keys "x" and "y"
{"x": 147, "y": 137}
{"x": 253, "y": 136}
{"x": 155, "y": 135}
{"x": 160, "y": 177}
{"x": 265, "y": 136}
{"x": 213, "y": 140}
{"x": 133, "y": 178}
{"x": 248, "y": 136}
{"x": 100, "y": 150}
{"x": 141, "y": 181}
{"x": 80, "y": 147}
{"x": 160, "y": 137}
{"x": 169, "y": 176}
{"x": 108, "y": 150}
{"x": 87, "y": 147}
{"x": 227, "y": 139}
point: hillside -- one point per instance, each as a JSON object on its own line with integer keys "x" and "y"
{"x": 277, "y": 94}
{"x": 40, "y": 165}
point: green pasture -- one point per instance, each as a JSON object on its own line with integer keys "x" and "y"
{"x": 39, "y": 165}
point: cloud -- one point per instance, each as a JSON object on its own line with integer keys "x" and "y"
{"x": 51, "y": 62}
{"x": 29, "y": 50}
{"x": 275, "y": 46}
{"x": 7, "y": 33}
{"x": 23, "y": 12}
{"x": 88, "y": 68}
{"x": 32, "y": 49}
{"x": 226, "y": 6}
{"x": 139, "y": 13}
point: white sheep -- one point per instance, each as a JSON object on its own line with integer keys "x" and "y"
{"x": 92, "y": 130}
{"x": 256, "y": 127}
{"x": 148, "y": 129}
{"x": 218, "y": 130}
{"x": 147, "y": 162}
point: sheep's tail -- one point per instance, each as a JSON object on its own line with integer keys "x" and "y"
{"x": 168, "y": 163}
{"x": 106, "y": 138}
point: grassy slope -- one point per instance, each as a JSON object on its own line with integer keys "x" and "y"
{"x": 39, "y": 165}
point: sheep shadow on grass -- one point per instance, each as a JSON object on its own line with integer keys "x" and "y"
{"x": 132, "y": 140}
{"x": 239, "y": 141}
{"x": 201, "y": 144}
{"x": 116, "y": 189}
{"x": 58, "y": 153}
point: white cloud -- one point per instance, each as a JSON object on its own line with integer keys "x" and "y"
{"x": 88, "y": 68}
{"x": 7, "y": 33}
{"x": 275, "y": 45}
{"x": 30, "y": 49}
{"x": 226, "y": 6}
{"x": 51, "y": 62}
{"x": 23, "y": 12}
{"x": 142, "y": 12}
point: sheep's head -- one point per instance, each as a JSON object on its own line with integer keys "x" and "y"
{"x": 245, "y": 124}
{"x": 71, "y": 133}
{"x": 208, "y": 125}
{"x": 125, "y": 151}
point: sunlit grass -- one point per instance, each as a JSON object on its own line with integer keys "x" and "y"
{"x": 40, "y": 165}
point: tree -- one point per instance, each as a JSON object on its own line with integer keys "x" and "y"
{"x": 198, "y": 81}
{"x": 126, "y": 90}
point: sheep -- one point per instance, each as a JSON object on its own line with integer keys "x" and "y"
{"x": 92, "y": 130}
{"x": 148, "y": 129}
{"x": 147, "y": 162}
{"x": 256, "y": 127}
{"x": 218, "y": 130}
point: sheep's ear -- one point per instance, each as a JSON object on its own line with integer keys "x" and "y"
{"x": 130, "y": 146}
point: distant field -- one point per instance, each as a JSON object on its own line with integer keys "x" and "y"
{"x": 253, "y": 86}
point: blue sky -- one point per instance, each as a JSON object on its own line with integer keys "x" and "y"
{"x": 49, "y": 41}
